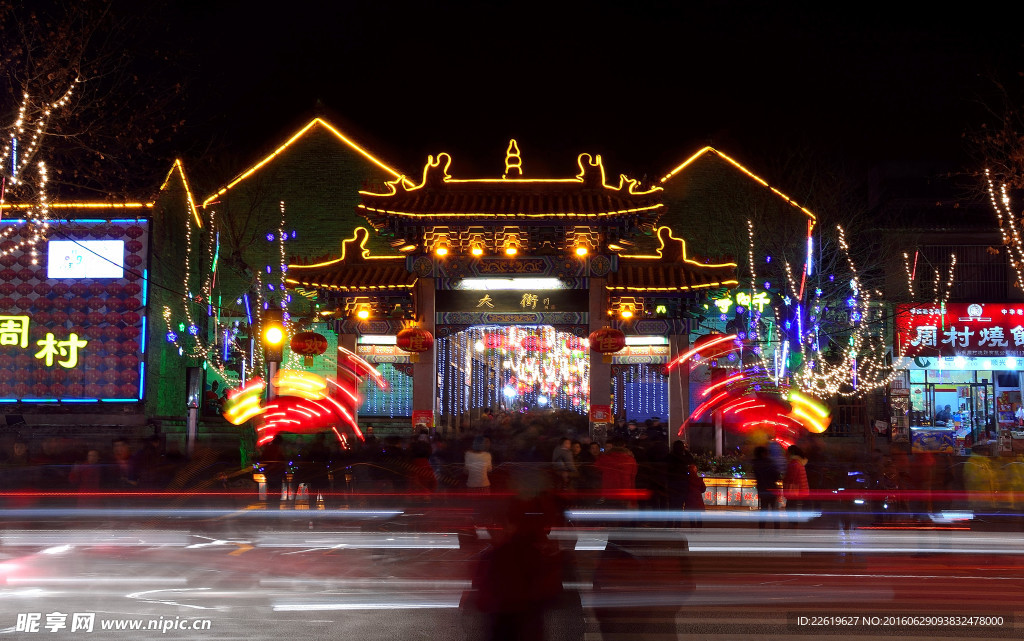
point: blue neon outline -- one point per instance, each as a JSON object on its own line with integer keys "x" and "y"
{"x": 120, "y": 400}
{"x": 145, "y": 286}
{"x": 142, "y": 338}
{"x": 142, "y": 378}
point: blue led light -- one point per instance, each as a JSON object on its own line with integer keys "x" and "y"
{"x": 268, "y": 269}
{"x": 270, "y": 237}
{"x": 270, "y": 286}
{"x": 740, "y": 309}
{"x": 193, "y": 329}
{"x": 723, "y": 317}
{"x": 293, "y": 233}
{"x": 287, "y": 316}
{"x": 171, "y": 337}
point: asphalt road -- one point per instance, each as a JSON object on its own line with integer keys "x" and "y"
{"x": 370, "y": 576}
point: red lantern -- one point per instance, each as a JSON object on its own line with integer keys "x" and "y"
{"x": 42, "y": 289}
{"x": 115, "y": 231}
{"x": 97, "y": 288}
{"x": 6, "y": 361}
{"x": 127, "y": 376}
{"x": 112, "y": 347}
{"x": 77, "y": 317}
{"x": 114, "y": 289}
{"x": 130, "y": 318}
{"x": 8, "y": 274}
{"x": 41, "y": 318}
{"x": 134, "y": 231}
{"x": 7, "y": 288}
{"x": 719, "y": 349}
{"x": 92, "y": 361}
{"x": 94, "y": 318}
{"x": 8, "y": 260}
{"x": 114, "y": 304}
{"x": 58, "y": 390}
{"x": 93, "y": 390}
{"x": 79, "y": 289}
{"x": 24, "y": 302}
{"x": 60, "y": 289}
{"x": 607, "y": 340}
{"x": 25, "y": 260}
{"x": 113, "y": 318}
{"x": 75, "y": 390}
{"x": 130, "y": 361}
{"x": 97, "y": 303}
{"x": 21, "y": 390}
{"x": 24, "y": 289}
{"x": 133, "y": 260}
{"x": 130, "y": 333}
{"x": 98, "y": 231}
{"x": 110, "y": 390}
{"x": 132, "y": 289}
{"x": 26, "y": 274}
{"x": 309, "y": 344}
{"x": 133, "y": 246}
{"x": 40, "y": 389}
{"x": 414, "y": 339}
{"x": 6, "y": 303}
{"x": 129, "y": 391}
{"x": 21, "y": 375}
{"x": 132, "y": 303}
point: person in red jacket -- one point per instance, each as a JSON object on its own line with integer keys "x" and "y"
{"x": 618, "y": 474}
{"x": 794, "y": 484}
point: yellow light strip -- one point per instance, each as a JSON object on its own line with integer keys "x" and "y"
{"x": 293, "y": 139}
{"x": 188, "y": 191}
{"x": 484, "y": 215}
{"x": 749, "y": 173}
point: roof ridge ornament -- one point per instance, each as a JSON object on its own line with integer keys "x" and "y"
{"x": 513, "y": 161}
{"x": 591, "y": 170}
{"x": 435, "y": 173}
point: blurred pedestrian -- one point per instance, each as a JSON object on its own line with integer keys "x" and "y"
{"x": 86, "y": 479}
{"x": 795, "y": 488}
{"x": 618, "y": 469}
{"x": 314, "y": 467}
{"x": 695, "y": 496}
{"x": 274, "y": 462}
{"x": 478, "y": 464}
{"x": 766, "y": 478}
{"x": 563, "y": 464}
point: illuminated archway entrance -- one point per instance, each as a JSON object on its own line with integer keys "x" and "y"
{"x": 516, "y": 368}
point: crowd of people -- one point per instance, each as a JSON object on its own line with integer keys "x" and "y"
{"x": 632, "y": 467}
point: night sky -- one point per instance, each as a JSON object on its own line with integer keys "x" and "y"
{"x": 644, "y": 84}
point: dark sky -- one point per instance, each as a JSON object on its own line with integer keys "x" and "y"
{"x": 645, "y": 84}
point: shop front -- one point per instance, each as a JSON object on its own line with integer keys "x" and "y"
{"x": 960, "y": 385}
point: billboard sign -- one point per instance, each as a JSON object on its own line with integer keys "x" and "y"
{"x": 72, "y": 316}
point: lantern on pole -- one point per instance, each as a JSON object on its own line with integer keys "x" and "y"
{"x": 415, "y": 340}
{"x": 308, "y": 344}
{"x": 607, "y": 341}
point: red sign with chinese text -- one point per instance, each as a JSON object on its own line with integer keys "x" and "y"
{"x": 960, "y": 329}
{"x": 423, "y": 417}
{"x": 600, "y": 413}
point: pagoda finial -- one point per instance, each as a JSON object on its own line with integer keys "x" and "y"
{"x": 513, "y": 162}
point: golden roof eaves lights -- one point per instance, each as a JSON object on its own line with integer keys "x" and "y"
{"x": 293, "y": 139}
{"x": 180, "y": 167}
{"x": 749, "y": 173}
